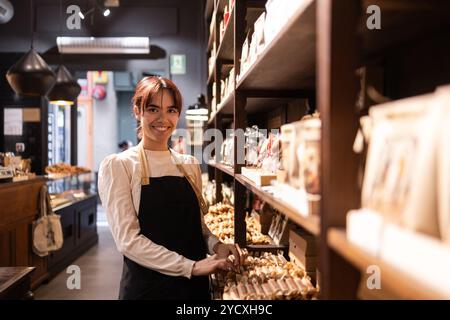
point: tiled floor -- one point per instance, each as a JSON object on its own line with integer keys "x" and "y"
{"x": 100, "y": 267}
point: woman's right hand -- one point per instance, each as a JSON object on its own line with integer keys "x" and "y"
{"x": 211, "y": 265}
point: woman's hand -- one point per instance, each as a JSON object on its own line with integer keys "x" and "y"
{"x": 211, "y": 265}
{"x": 224, "y": 250}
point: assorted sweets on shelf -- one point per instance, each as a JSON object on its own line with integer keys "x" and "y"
{"x": 287, "y": 164}
{"x": 226, "y": 85}
{"x": 262, "y": 155}
{"x": 14, "y": 168}
{"x": 211, "y": 63}
{"x": 227, "y": 149}
{"x": 264, "y": 225}
{"x": 213, "y": 101}
{"x": 405, "y": 195}
{"x": 209, "y": 193}
{"x": 61, "y": 170}
{"x": 220, "y": 220}
{"x": 277, "y": 14}
{"x": 225, "y": 19}
{"x": 268, "y": 276}
{"x": 298, "y": 177}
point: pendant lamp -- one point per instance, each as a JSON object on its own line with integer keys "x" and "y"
{"x": 66, "y": 89}
{"x": 31, "y": 76}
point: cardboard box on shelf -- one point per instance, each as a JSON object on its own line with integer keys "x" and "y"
{"x": 303, "y": 249}
{"x": 305, "y": 242}
{"x": 258, "y": 176}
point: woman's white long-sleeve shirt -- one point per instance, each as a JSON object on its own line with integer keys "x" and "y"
{"x": 119, "y": 185}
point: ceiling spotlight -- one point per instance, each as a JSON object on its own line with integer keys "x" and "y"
{"x": 199, "y": 110}
{"x": 106, "y": 12}
{"x": 196, "y": 118}
{"x": 82, "y": 16}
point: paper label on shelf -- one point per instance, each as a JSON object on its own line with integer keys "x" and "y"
{"x": 13, "y": 122}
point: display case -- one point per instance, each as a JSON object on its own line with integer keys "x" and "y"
{"x": 70, "y": 189}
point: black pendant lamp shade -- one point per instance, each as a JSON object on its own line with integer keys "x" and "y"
{"x": 30, "y": 76}
{"x": 66, "y": 89}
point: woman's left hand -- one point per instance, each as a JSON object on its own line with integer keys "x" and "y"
{"x": 224, "y": 250}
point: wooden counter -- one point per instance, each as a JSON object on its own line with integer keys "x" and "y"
{"x": 19, "y": 207}
{"x": 15, "y": 283}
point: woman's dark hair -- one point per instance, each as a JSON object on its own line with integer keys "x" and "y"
{"x": 148, "y": 87}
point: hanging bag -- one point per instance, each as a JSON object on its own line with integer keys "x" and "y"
{"x": 47, "y": 230}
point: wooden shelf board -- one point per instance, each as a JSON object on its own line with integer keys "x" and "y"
{"x": 209, "y": 7}
{"x": 221, "y": 5}
{"x": 225, "y": 70}
{"x": 225, "y": 107}
{"x": 289, "y": 60}
{"x": 311, "y": 223}
{"x": 211, "y": 119}
{"x": 224, "y": 168}
{"x": 392, "y": 280}
{"x": 210, "y": 77}
{"x": 255, "y": 105}
{"x": 263, "y": 247}
{"x": 226, "y": 46}
{"x": 211, "y": 39}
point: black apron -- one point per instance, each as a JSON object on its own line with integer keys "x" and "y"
{"x": 169, "y": 215}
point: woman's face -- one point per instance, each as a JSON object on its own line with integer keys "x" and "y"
{"x": 159, "y": 117}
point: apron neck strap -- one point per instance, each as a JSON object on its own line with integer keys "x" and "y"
{"x": 144, "y": 165}
{"x": 145, "y": 175}
{"x": 145, "y": 168}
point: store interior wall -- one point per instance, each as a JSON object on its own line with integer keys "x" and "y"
{"x": 105, "y": 124}
{"x": 174, "y": 27}
{"x": 126, "y": 120}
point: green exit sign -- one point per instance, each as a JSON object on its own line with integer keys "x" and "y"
{"x": 178, "y": 64}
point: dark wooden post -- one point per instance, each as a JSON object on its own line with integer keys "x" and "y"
{"x": 337, "y": 58}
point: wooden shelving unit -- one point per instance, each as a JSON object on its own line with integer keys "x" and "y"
{"x": 222, "y": 167}
{"x": 287, "y": 44}
{"x": 315, "y": 57}
{"x": 225, "y": 50}
{"x": 394, "y": 283}
{"x": 309, "y": 223}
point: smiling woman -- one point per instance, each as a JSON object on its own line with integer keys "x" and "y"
{"x": 157, "y": 105}
{"x": 154, "y": 206}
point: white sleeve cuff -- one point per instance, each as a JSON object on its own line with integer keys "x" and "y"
{"x": 188, "y": 267}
